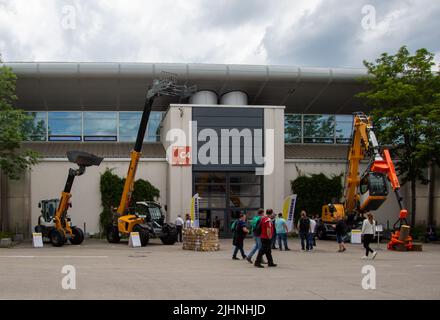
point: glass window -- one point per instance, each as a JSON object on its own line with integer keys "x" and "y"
{"x": 100, "y": 126}
{"x": 35, "y": 129}
{"x": 292, "y": 128}
{"x": 65, "y": 126}
{"x": 153, "y": 129}
{"x": 319, "y": 128}
{"x": 344, "y": 128}
{"x": 129, "y": 126}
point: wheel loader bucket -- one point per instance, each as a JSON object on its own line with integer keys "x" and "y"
{"x": 83, "y": 158}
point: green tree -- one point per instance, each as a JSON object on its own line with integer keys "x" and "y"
{"x": 111, "y": 187}
{"x": 314, "y": 191}
{"x": 404, "y": 91}
{"x": 13, "y": 160}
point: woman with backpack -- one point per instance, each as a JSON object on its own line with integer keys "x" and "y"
{"x": 368, "y": 230}
{"x": 240, "y": 231}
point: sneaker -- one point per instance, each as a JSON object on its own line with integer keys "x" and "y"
{"x": 303, "y": 250}
{"x": 287, "y": 249}
{"x": 249, "y": 259}
{"x": 374, "y": 255}
{"x": 235, "y": 258}
{"x": 364, "y": 257}
{"x": 272, "y": 265}
{"x": 258, "y": 266}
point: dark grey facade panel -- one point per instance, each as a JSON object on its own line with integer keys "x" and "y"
{"x": 231, "y": 118}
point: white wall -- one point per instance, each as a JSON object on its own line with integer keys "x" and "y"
{"x": 48, "y": 179}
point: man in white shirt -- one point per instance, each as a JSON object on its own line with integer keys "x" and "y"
{"x": 312, "y": 233}
{"x": 179, "y": 226}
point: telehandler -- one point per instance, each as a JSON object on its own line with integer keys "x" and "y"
{"x": 55, "y": 224}
{"x": 124, "y": 220}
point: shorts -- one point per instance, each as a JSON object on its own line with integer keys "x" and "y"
{"x": 339, "y": 238}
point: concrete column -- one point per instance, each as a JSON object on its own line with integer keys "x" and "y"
{"x": 274, "y": 182}
{"x": 179, "y": 178}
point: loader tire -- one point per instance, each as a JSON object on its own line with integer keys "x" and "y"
{"x": 143, "y": 235}
{"x": 78, "y": 236}
{"x": 57, "y": 238}
{"x": 170, "y": 236}
{"x": 112, "y": 234}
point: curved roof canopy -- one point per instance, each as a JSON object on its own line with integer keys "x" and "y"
{"x": 122, "y": 86}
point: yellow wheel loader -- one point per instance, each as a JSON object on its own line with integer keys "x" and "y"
{"x": 54, "y": 222}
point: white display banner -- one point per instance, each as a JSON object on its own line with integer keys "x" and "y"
{"x": 37, "y": 240}
{"x": 135, "y": 240}
{"x": 289, "y": 210}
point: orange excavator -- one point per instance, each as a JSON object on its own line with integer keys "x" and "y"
{"x": 369, "y": 191}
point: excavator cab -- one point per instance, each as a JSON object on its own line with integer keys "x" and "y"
{"x": 373, "y": 191}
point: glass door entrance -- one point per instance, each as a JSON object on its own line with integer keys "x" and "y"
{"x": 224, "y": 195}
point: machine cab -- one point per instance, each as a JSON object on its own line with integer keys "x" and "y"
{"x": 373, "y": 191}
{"x": 48, "y": 210}
{"x": 151, "y": 212}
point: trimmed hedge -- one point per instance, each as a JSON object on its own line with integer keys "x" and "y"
{"x": 314, "y": 191}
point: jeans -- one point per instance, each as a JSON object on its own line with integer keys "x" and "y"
{"x": 311, "y": 240}
{"x": 305, "y": 241}
{"x": 239, "y": 247}
{"x": 273, "y": 241}
{"x": 256, "y": 247}
{"x": 266, "y": 249}
{"x": 179, "y": 233}
{"x": 368, "y": 238}
{"x": 282, "y": 237}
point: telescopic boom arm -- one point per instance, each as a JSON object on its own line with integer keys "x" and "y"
{"x": 165, "y": 87}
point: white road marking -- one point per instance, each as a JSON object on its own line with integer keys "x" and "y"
{"x": 99, "y": 257}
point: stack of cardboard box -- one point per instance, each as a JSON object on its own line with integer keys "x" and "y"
{"x": 201, "y": 239}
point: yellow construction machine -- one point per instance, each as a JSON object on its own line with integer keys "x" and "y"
{"x": 125, "y": 221}
{"x": 367, "y": 192}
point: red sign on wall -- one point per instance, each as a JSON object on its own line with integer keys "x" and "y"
{"x": 181, "y": 156}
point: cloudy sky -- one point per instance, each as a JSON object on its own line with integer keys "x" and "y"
{"x": 337, "y": 33}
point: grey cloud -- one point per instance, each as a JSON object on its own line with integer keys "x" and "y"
{"x": 332, "y": 35}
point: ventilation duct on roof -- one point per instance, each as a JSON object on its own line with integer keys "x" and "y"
{"x": 204, "y": 97}
{"x": 237, "y": 98}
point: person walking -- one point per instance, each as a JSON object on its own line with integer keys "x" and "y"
{"x": 340, "y": 230}
{"x": 281, "y": 230}
{"x": 256, "y": 232}
{"x": 267, "y": 230}
{"x": 274, "y": 236}
{"x": 368, "y": 229}
{"x": 304, "y": 229}
{"x": 179, "y": 226}
{"x": 240, "y": 232}
{"x": 312, "y": 233}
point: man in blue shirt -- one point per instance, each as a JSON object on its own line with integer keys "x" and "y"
{"x": 281, "y": 230}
